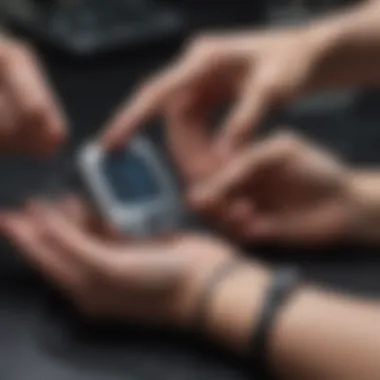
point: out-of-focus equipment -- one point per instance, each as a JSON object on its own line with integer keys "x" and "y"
{"x": 86, "y": 27}
{"x": 131, "y": 188}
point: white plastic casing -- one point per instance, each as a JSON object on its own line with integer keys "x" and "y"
{"x": 155, "y": 216}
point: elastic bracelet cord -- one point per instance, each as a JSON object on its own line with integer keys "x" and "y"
{"x": 285, "y": 281}
{"x": 220, "y": 273}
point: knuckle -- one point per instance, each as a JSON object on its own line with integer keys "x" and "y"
{"x": 277, "y": 87}
{"x": 270, "y": 85}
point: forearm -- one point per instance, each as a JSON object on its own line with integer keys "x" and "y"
{"x": 318, "y": 336}
{"x": 349, "y": 45}
{"x": 322, "y": 336}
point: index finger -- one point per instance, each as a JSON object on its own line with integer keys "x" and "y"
{"x": 144, "y": 105}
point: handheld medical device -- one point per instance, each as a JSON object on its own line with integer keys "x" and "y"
{"x": 132, "y": 188}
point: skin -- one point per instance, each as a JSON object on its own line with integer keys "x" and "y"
{"x": 31, "y": 119}
{"x": 286, "y": 190}
{"x": 153, "y": 281}
{"x": 256, "y": 71}
{"x": 317, "y": 335}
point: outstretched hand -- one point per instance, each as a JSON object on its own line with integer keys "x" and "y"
{"x": 156, "y": 281}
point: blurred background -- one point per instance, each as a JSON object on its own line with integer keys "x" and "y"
{"x": 86, "y": 27}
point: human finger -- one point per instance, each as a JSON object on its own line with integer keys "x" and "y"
{"x": 78, "y": 210}
{"x": 189, "y": 138}
{"x": 76, "y": 244}
{"x": 146, "y": 103}
{"x": 245, "y": 169}
{"x": 252, "y": 105}
{"x": 23, "y": 234}
{"x": 33, "y": 100}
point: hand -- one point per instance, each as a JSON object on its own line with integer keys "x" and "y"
{"x": 157, "y": 282}
{"x": 257, "y": 71}
{"x": 283, "y": 189}
{"x": 31, "y": 121}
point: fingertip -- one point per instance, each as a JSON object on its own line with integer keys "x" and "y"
{"x": 111, "y": 140}
{"x": 58, "y": 134}
{"x": 116, "y": 131}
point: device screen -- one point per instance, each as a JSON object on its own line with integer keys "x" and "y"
{"x": 129, "y": 177}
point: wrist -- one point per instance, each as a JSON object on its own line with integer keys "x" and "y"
{"x": 234, "y": 310}
{"x": 347, "y": 54}
{"x": 325, "y": 40}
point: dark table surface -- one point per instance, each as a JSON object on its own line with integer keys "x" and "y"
{"x": 37, "y": 344}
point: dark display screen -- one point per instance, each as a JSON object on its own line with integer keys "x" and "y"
{"x": 129, "y": 177}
